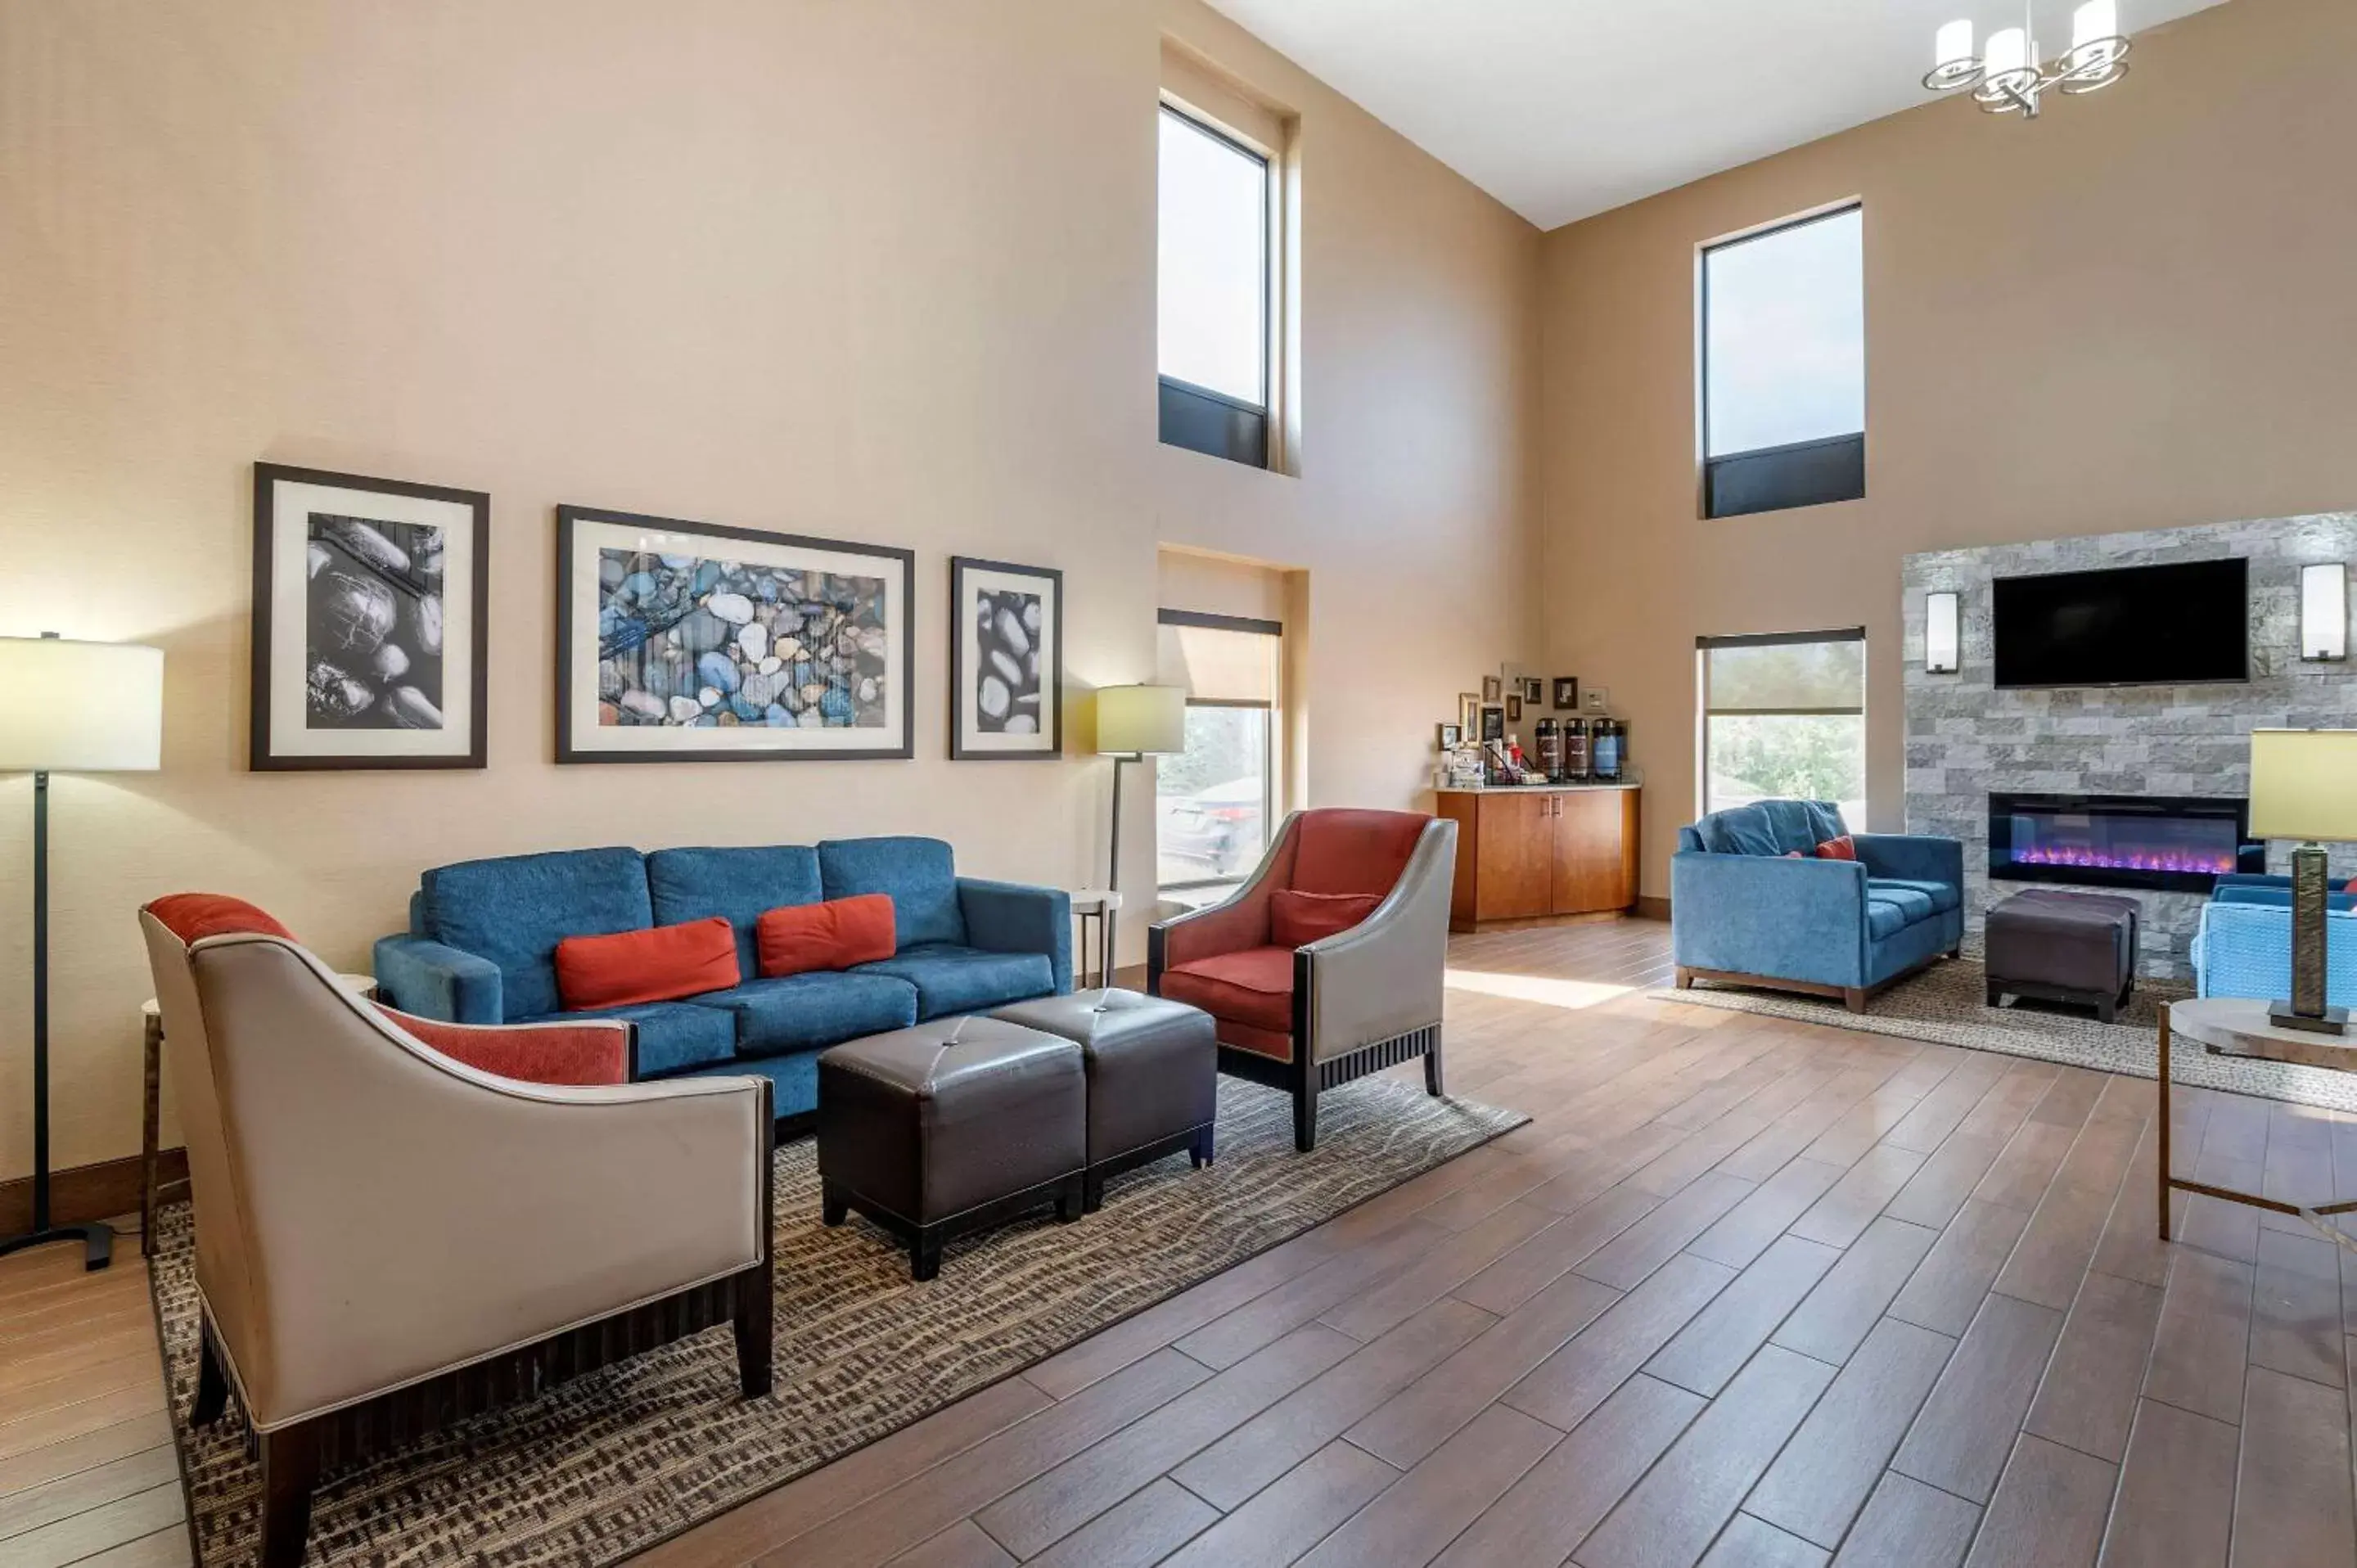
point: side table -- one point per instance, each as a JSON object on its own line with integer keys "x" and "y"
{"x": 151, "y": 1110}
{"x": 2238, "y": 1026}
{"x": 1100, "y": 904}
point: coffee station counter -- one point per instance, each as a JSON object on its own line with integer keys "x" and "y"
{"x": 1529, "y": 850}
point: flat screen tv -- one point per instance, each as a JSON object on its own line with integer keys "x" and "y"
{"x": 2129, "y": 626}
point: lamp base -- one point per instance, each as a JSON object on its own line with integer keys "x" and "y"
{"x": 2331, "y": 1021}
{"x": 98, "y": 1242}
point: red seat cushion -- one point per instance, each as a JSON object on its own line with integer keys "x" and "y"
{"x": 1346, "y": 849}
{"x": 533, "y": 1053}
{"x": 1251, "y": 985}
{"x": 654, "y": 965}
{"x": 193, "y": 917}
{"x": 1296, "y": 919}
{"x": 800, "y": 937}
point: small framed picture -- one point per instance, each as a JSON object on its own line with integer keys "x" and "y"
{"x": 1494, "y": 722}
{"x": 1533, "y": 690}
{"x": 371, "y": 610}
{"x": 1007, "y": 660}
{"x": 1448, "y": 737}
{"x": 1468, "y": 712}
{"x": 1567, "y": 692}
{"x": 1490, "y": 689}
{"x": 1514, "y": 709}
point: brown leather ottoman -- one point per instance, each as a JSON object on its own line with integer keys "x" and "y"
{"x": 2063, "y": 947}
{"x": 942, "y": 1130}
{"x": 1153, "y": 1076}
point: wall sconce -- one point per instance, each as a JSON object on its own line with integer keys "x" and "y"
{"x": 1943, "y": 632}
{"x": 2324, "y": 612}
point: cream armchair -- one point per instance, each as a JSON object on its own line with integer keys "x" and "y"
{"x": 387, "y": 1239}
{"x": 1327, "y": 964}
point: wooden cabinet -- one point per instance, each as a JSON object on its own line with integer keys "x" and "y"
{"x": 1523, "y": 854}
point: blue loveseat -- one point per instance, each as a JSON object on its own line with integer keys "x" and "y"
{"x": 481, "y": 945}
{"x": 1741, "y": 911}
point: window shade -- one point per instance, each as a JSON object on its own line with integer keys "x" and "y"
{"x": 1219, "y": 666}
{"x": 1745, "y": 676}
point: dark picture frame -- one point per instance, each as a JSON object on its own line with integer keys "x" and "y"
{"x": 998, "y": 655}
{"x": 1533, "y": 690}
{"x": 1567, "y": 692}
{"x": 1447, "y": 738}
{"x": 704, "y": 562}
{"x": 1492, "y": 689}
{"x": 1514, "y": 708}
{"x": 378, "y": 560}
{"x": 1494, "y": 722}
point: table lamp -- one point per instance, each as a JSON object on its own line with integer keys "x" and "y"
{"x": 2304, "y": 787}
{"x": 1136, "y": 721}
{"x": 70, "y": 707}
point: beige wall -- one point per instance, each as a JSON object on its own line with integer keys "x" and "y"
{"x": 875, "y": 269}
{"x": 2134, "y": 313}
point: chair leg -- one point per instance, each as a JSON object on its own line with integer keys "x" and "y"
{"x": 290, "y": 1468}
{"x": 1432, "y": 1066}
{"x": 1305, "y": 1112}
{"x": 753, "y": 1316}
{"x": 832, "y": 1209}
{"x": 212, "y": 1383}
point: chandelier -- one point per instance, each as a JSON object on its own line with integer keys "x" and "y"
{"x": 2008, "y": 78}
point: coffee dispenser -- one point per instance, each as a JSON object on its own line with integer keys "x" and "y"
{"x": 1550, "y": 744}
{"x": 1608, "y": 749}
{"x": 1575, "y": 749}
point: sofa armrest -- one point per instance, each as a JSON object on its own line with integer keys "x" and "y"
{"x": 430, "y": 979}
{"x": 1918, "y": 857}
{"x": 1007, "y": 916}
{"x": 1385, "y": 975}
{"x": 583, "y": 1052}
{"x": 1768, "y": 915}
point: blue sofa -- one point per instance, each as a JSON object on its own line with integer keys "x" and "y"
{"x": 1740, "y": 910}
{"x": 481, "y": 945}
{"x": 2243, "y": 946}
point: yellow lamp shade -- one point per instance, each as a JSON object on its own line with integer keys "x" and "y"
{"x": 2304, "y": 784}
{"x": 1141, "y": 720}
{"x": 79, "y": 707}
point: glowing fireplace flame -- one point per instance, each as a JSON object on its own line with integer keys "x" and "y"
{"x": 2169, "y": 860}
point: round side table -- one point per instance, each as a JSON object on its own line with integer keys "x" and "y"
{"x": 2239, "y": 1026}
{"x": 1100, "y": 904}
{"x": 151, "y": 1110}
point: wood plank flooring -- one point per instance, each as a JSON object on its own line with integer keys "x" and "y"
{"x": 1744, "y": 1292}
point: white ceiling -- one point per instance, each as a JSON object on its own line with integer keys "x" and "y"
{"x": 1565, "y": 108}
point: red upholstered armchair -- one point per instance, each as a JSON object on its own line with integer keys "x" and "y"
{"x": 1327, "y": 964}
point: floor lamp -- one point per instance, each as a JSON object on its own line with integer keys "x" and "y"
{"x": 1134, "y": 722}
{"x": 70, "y": 707}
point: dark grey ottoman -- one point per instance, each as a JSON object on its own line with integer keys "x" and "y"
{"x": 949, "y": 1127}
{"x": 2063, "y": 947}
{"x": 1154, "y": 1075}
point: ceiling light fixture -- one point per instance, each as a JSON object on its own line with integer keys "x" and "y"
{"x": 2008, "y": 77}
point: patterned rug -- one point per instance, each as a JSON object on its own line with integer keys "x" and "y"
{"x": 612, "y": 1462}
{"x": 1947, "y": 1003}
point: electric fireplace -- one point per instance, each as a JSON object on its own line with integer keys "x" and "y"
{"x": 2180, "y": 843}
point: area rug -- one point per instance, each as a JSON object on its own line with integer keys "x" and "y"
{"x": 612, "y": 1462}
{"x": 1947, "y": 1003}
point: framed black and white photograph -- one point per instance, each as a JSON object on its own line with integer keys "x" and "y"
{"x": 681, "y": 641}
{"x": 1567, "y": 692}
{"x": 1533, "y": 690}
{"x": 1007, "y": 660}
{"x": 1469, "y": 713}
{"x": 1494, "y": 722}
{"x": 370, "y": 614}
{"x": 1491, "y": 690}
{"x": 1514, "y": 708}
{"x": 1447, "y": 738}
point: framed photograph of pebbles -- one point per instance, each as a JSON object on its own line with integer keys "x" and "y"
{"x": 371, "y": 610}
{"x": 1007, "y": 660}
{"x": 681, "y": 641}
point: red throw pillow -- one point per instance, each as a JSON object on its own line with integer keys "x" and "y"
{"x": 802, "y": 938}
{"x": 1296, "y": 919}
{"x": 1841, "y": 848}
{"x": 652, "y": 965}
{"x": 531, "y": 1053}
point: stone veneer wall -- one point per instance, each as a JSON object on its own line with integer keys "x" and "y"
{"x": 1965, "y": 739}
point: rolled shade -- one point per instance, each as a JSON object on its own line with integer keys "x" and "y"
{"x": 79, "y": 707}
{"x": 1786, "y": 675}
{"x": 2304, "y": 784}
{"x": 1216, "y": 665}
{"x": 1151, "y": 720}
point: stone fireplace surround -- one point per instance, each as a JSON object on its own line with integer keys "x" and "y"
{"x": 1965, "y": 739}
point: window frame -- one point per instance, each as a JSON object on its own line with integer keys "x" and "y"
{"x": 1272, "y": 742}
{"x": 1824, "y": 470}
{"x": 1704, "y": 711}
{"x": 1195, "y": 418}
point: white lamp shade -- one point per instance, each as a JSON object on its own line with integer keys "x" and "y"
{"x": 1953, "y": 42}
{"x": 2094, "y": 22}
{"x": 2304, "y": 784}
{"x": 79, "y": 707}
{"x": 1141, "y": 720}
{"x": 2008, "y": 50}
{"x": 2324, "y": 611}
{"x": 1943, "y": 633}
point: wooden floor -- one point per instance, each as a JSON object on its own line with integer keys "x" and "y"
{"x": 1745, "y": 1292}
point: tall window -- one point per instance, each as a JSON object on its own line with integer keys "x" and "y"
{"x": 1783, "y": 360}
{"x": 1784, "y": 717}
{"x": 1215, "y": 802}
{"x": 1213, "y": 295}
